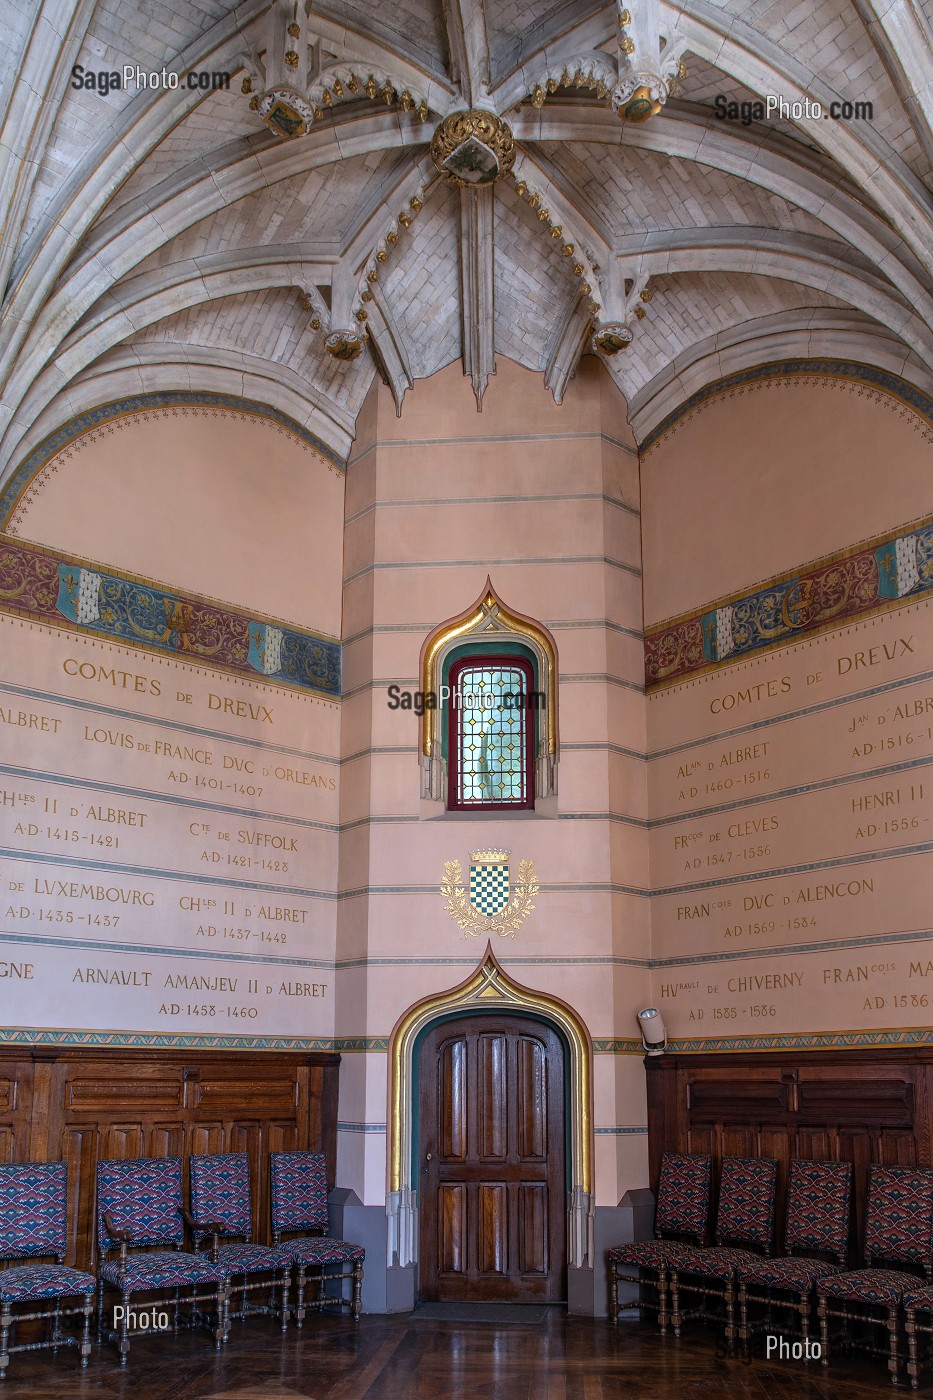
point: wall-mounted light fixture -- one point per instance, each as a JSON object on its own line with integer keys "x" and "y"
{"x": 653, "y": 1031}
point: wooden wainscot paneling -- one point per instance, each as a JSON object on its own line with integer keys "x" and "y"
{"x": 84, "y": 1105}
{"x": 859, "y": 1106}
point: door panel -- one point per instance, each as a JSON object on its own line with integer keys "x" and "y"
{"x": 492, "y": 1186}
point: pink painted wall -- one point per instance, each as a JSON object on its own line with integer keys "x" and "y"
{"x": 224, "y": 504}
{"x": 762, "y": 479}
{"x": 789, "y": 789}
{"x": 544, "y": 498}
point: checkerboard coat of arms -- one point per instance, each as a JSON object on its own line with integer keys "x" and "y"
{"x": 488, "y": 902}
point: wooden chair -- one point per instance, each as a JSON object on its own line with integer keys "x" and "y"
{"x": 819, "y": 1205}
{"x": 299, "y": 1203}
{"x": 681, "y": 1217}
{"x": 33, "y": 1226}
{"x": 222, "y": 1211}
{"x": 139, "y": 1206}
{"x": 744, "y": 1223}
{"x": 898, "y": 1230}
{"x": 918, "y": 1315}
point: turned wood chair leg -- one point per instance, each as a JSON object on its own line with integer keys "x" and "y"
{"x": 286, "y": 1277}
{"x": 613, "y": 1292}
{"x": 913, "y": 1349}
{"x": 803, "y": 1307}
{"x": 300, "y": 1309}
{"x": 124, "y": 1343}
{"x": 6, "y": 1322}
{"x": 663, "y": 1315}
{"x": 357, "y": 1290}
{"x": 86, "y": 1330}
{"x": 824, "y": 1332}
{"x": 894, "y": 1359}
{"x": 675, "y": 1302}
{"x": 743, "y": 1312}
{"x": 729, "y": 1296}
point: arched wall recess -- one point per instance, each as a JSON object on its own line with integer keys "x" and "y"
{"x": 488, "y": 989}
{"x": 490, "y": 620}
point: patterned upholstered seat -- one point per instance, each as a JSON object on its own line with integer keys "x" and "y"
{"x": 919, "y": 1296}
{"x": 648, "y": 1254}
{"x": 716, "y": 1263}
{"x": 33, "y": 1227}
{"x": 745, "y": 1218}
{"x": 138, "y": 1208}
{"x": 898, "y": 1230}
{"x": 221, "y": 1196}
{"x": 819, "y": 1203}
{"x": 795, "y": 1274}
{"x": 159, "y": 1269}
{"x": 683, "y": 1210}
{"x": 299, "y": 1204}
{"x": 884, "y": 1286}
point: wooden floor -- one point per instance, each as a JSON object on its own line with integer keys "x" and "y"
{"x": 404, "y": 1358}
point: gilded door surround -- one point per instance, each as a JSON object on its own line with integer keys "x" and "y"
{"x": 489, "y": 618}
{"x": 489, "y": 988}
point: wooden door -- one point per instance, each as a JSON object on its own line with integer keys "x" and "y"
{"x": 491, "y": 1189}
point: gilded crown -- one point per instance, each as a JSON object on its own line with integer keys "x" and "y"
{"x": 486, "y": 857}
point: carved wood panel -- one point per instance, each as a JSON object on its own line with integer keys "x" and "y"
{"x": 82, "y": 1106}
{"x": 492, "y": 1150}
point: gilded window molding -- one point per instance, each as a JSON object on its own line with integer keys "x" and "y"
{"x": 489, "y": 618}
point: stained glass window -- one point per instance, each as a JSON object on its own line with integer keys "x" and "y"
{"x": 491, "y": 733}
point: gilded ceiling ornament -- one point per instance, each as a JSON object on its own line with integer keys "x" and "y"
{"x": 489, "y": 904}
{"x": 345, "y": 345}
{"x": 473, "y": 148}
{"x": 610, "y": 339}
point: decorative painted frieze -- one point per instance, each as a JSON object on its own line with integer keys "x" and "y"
{"x": 45, "y": 587}
{"x": 829, "y": 593}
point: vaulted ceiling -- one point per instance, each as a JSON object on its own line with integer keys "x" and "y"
{"x": 170, "y": 239}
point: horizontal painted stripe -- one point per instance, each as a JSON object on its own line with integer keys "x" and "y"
{"x": 508, "y": 440}
{"x": 547, "y": 562}
{"x": 556, "y": 625}
{"x": 52, "y": 698}
{"x": 377, "y": 1128}
{"x": 236, "y": 953}
{"x": 172, "y": 799}
{"x": 867, "y": 775}
{"x": 621, "y": 1132}
{"x": 149, "y": 872}
{"x": 856, "y": 698}
{"x": 834, "y": 863}
{"x": 155, "y": 1040}
{"x": 785, "y": 950}
{"x": 524, "y": 501}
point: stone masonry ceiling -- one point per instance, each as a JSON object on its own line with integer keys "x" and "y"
{"x": 383, "y": 189}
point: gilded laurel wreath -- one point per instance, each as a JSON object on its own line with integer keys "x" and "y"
{"x": 508, "y": 920}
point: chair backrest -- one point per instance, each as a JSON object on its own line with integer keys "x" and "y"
{"x": 747, "y": 1188}
{"x": 899, "y": 1216}
{"x": 143, "y": 1195}
{"x": 32, "y": 1209}
{"x": 683, "y": 1195}
{"x": 220, "y": 1192}
{"x": 819, "y": 1200}
{"x": 299, "y": 1191}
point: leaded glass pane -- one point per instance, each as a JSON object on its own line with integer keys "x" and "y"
{"x": 492, "y": 735}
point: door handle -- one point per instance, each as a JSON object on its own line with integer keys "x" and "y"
{"x": 428, "y": 1156}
